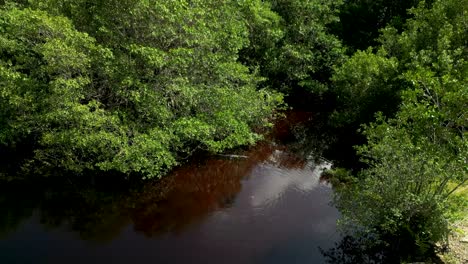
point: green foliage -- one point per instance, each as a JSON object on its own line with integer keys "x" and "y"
{"x": 406, "y": 187}
{"x": 417, "y": 159}
{"x": 130, "y": 86}
{"x": 265, "y": 33}
{"x": 369, "y": 82}
{"x": 339, "y": 177}
{"x": 293, "y": 47}
{"x": 44, "y": 65}
{"x": 365, "y": 84}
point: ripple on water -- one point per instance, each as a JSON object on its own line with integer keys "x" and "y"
{"x": 271, "y": 183}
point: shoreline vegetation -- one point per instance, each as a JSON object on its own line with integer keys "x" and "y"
{"x": 134, "y": 88}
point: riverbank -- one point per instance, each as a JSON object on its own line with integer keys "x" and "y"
{"x": 457, "y": 252}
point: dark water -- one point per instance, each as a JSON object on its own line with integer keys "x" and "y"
{"x": 267, "y": 207}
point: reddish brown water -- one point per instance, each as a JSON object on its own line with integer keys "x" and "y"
{"x": 266, "y": 206}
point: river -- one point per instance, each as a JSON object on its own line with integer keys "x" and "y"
{"x": 264, "y": 204}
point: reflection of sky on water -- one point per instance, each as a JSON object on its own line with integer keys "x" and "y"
{"x": 280, "y": 216}
{"x": 274, "y": 181}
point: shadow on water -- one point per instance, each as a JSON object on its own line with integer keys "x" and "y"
{"x": 100, "y": 213}
{"x": 266, "y": 204}
{"x": 352, "y": 250}
{"x": 167, "y": 205}
{"x": 371, "y": 250}
{"x": 192, "y": 192}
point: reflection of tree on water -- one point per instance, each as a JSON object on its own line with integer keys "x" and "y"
{"x": 99, "y": 208}
{"x": 193, "y": 191}
{"x": 16, "y": 205}
{"x": 352, "y": 250}
{"x": 185, "y": 197}
{"x": 313, "y": 137}
{"x": 94, "y": 213}
{"x": 371, "y": 250}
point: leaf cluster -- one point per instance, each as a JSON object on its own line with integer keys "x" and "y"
{"x": 131, "y": 86}
{"x": 416, "y": 159}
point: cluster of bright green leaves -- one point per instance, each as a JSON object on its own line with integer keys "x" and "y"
{"x": 371, "y": 81}
{"x": 264, "y": 32}
{"x": 417, "y": 159}
{"x": 406, "y": 191}
{"x": 365, "y": 84}
{"x": 129, "y": 85}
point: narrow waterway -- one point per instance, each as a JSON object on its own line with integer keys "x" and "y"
{"x": 266, "y": 204}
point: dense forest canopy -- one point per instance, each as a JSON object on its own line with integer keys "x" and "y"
{"x": 131, "y": 86}
{"x": 417, "y": 159}
{"x": 137, "y": 86}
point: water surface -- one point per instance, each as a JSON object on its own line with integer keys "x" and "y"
{"x": 266, "y": 205}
